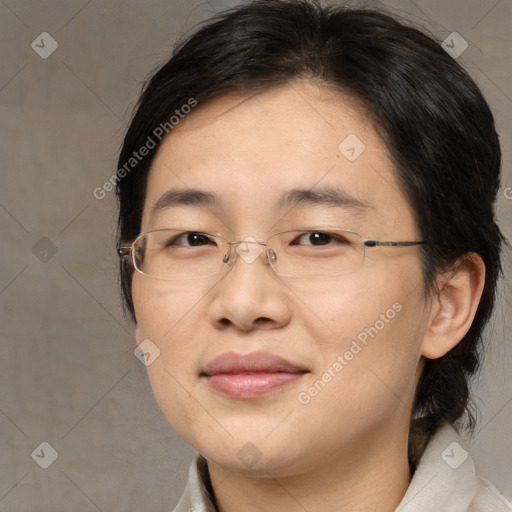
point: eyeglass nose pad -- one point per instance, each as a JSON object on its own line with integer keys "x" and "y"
{"x": 230, "y": 255}
{"x": 271, "y": 256}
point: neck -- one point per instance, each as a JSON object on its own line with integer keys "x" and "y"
{"x": 374, "y": 475}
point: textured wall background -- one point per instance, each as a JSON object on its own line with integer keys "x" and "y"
{"x": 68, "y": 375}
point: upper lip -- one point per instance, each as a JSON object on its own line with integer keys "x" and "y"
{"x": 255, "y": 362}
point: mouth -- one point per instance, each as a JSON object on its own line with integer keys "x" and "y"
{"x": 251, "y": 375}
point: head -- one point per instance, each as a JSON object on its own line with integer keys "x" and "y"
{"x": 258, "y": 102}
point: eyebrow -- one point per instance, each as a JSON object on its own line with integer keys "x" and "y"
{"x": 188, "y": 197}
{"x": 326, "y": 196}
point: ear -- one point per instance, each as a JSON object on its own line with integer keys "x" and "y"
{"x": 454, "y": 306}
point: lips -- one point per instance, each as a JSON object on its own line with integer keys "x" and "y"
{"x": 256, "y": 362}
{"x": 250, "y": 375}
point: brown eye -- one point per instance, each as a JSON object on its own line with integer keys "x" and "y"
{"x": 317, "y": 238}
{"x": 190, "y": 240}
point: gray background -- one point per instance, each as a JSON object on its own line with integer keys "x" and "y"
{"x": 68, "y": 375}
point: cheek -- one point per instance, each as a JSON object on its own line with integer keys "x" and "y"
{"x": 370, "y": 356}
{"x": 160, "y": 306}
{"x": 339, "y": 310}
{"x": 169, "y": 315}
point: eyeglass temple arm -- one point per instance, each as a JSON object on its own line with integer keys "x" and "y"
{"x": 376, "y": 243}
{"x": 124, "y": 250}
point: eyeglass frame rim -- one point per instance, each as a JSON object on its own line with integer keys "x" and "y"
{"x": 127, "y": 250}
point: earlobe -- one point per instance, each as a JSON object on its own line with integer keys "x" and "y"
{"x": 454, "y": 306}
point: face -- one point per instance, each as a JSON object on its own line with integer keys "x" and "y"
{"x": 354, "y": 340}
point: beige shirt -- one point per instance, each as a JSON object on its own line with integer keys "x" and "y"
{"x": 444, "y": 481}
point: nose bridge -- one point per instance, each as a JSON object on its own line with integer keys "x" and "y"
{"x": 248, "y": 297}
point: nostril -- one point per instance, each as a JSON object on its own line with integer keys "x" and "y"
{"x": 263, "y": 321}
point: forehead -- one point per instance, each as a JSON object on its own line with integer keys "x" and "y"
{"x": 250, "y": 151}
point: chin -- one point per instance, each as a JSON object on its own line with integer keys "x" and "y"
{"x": 257, "y": 456}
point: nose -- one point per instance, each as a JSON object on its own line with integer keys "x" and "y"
{"x": 250, "y": 296}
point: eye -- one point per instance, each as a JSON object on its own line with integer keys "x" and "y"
{"x": 318, "y": 238}
{"x": 191, "y": 239}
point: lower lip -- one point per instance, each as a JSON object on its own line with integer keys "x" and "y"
{"x": 250, "y": 385}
